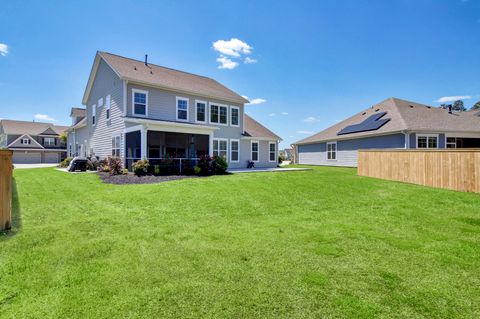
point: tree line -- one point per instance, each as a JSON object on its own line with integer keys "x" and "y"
{"x": 460, "y": 107}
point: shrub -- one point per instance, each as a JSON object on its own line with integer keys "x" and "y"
{"x": 115, "y": 165}
{"x": 124, "y": 171}
{"x": 65, "y": 162}
{"x": 219, "y": 165}
{"x": 156, "y": 170}
{"x": 281, "y": 158}
{"x": 205, "y": 165}
{"x": 140, "y": 168}
{"x": 197, "y": 169}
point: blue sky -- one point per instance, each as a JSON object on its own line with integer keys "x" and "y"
{"x": 315, "y": 62}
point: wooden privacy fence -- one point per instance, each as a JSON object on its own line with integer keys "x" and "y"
{"x": 5, "y": 189}
{"x": 456, "y": 169}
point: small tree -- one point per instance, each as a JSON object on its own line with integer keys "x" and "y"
{"x": 444, "y": 106}
{"x": 476, "y": 106}
{"x": 64, "y": 137}
{"x": 458, "y": 106}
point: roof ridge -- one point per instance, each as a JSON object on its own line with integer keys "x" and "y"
{"x": 157, "y": 65}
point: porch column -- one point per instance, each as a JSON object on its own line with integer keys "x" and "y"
{"x": 143, "y": 142}
{"x": 210, "y": 144}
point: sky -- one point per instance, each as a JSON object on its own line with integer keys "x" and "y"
{"x": 305, "y": 65}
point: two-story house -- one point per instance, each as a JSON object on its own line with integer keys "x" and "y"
{"x": 33, "y": 142}
{"x": 138, "y": 110}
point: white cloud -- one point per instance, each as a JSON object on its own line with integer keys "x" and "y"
{"x": 226, "y": 63}
{"x": 305, "y": 132}
{"x": 44, "y": 117}
{"x": 453, "y": 98}
{"x": 284, "y": 113}
{"x": 291, "y": 136}
{"x": 233, "y": 47}
{"x": 311, "y": 119}
{"x": 257, "y": 101}
{"x": 249, "y": 60}
{"x": 271, "y": 114}
{"x": 3, "y": 49}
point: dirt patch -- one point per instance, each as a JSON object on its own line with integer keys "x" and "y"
{"x": 132, "y": 179}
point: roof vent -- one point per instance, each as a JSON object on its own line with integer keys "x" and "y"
{"x": 377, "y": 110}
{"x": 428, "y": 107}
{"x": 146, "y": 59}
{"x": 151, "y": 72}
{"x": 450, "y": 109}
{"x": 411, "y": 106}
{"x": 135, "y": 68}
{"x": 364, "y": 113}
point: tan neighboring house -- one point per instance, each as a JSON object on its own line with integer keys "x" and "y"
{"x": 33, "y": 142}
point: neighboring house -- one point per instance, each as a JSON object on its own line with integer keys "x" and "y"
{"x": 287, "y": 154}
{"x": 393, "y": 123}
{"x": 138, "y": 110}
{"x": 33, "y": 142}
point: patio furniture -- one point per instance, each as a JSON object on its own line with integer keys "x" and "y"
{"x": 78, "y": 164}
{"x": 250, "y": 164}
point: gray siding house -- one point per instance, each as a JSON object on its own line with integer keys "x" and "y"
{"x": 393, "y": 123}
{"x": 139, "y": 110}
{"x": 33, "y": 142}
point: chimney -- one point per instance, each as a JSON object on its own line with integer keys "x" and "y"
{"x": 146, "y": 61}
{"x": 450, "y": 109}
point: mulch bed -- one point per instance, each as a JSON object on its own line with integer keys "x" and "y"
{"x": 133, "y": 179}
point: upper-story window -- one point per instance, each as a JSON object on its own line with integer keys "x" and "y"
{"x": 49, "y": 141}
{"x": 234, "y": 116}
{"x": 219, "y": 114}
{"x": 140, "y": 102}
{"x": 427, "y": 141}
{"x": 94, "y": 114}
{"x": 182, "y": 109}
{"x": 200, "y": 111}
{"x": 26, "y": 141}
{"x": 107, "y": 106}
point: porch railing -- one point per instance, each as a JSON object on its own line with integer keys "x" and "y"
{"x": 167, "y": 165}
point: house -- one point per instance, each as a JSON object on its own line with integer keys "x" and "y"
{"x": 393, "y": 123}
{"x": 33, "y": 142}
{"x": 136, "y": 110}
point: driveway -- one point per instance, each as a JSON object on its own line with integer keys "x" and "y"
{"x": 21, "y": 166}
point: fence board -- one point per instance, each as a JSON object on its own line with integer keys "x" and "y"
{"x": 5, "y": 189}
{"x": 456, "y": 169}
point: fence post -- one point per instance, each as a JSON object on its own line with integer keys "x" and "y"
{"x": 5, "y": 189}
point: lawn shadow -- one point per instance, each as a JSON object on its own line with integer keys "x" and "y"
{"x": 16, "y": 225}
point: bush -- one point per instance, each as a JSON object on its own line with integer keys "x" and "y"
{"x": 281, "y": 158}
{"x": 156, "y": 170}
{"x": 197, "y": 169}
{"x": 65, "y": 162}
{"x": 219, "y": 165}
{"x": 140, "y": 168}
{"x": 124, "y": 171}
{"x": 205, "y": 165}
{"x": 114, "y": 165}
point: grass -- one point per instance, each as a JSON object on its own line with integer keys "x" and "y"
{"x": 319, "y": 243}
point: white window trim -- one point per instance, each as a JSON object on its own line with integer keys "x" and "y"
{"x": 206, "y": 111}
{"x": 251, "y": 151}
{"x": 180, "y": 98}
{"x": 108, "y": 102}
{"x": 146, "y": 102}
{"x": 336, "y": 151}
{"x": 238, "y": 150}
{"x": 276, "y": 152}
{"x": 27, "y": 140}
{"x": 49, "y": 144}
{"x": 446, "y": 136}
{"x": 94, "y": 114}
{"x": 226, "y": 151}
{"x": 427, "y": 136}
{"x": 100, "y": 102}
{"x": 210, "y": 112}
{"x": 231, "y": 108}
{"x": 114, "y": 137}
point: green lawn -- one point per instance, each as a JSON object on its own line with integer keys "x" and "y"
{"x": 319, "y": 243}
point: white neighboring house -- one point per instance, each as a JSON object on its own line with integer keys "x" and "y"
{"x": 137, "y": 110}
{"x": 33, "y": 142}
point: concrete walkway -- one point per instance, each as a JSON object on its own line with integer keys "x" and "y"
{"x": 23, "y": 166}
{"x": 275, "y": 169}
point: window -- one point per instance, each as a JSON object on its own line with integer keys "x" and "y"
{"x": 70, "y": 150}
{"x": 234, "y": 116}
{"x": 332, "y": 151}
{"x": 100, "y": 102}
{"x": 219, "y": 114}
{"x": 49, "y": 141}
{"x": 234, "y": 150}
{"x": 107, "y": 106}
{"x": 220, "y": 147}
{"x": 451, "y": 142}
{"x": 182, "y": 109}
{"x": 94, "y": 114}
{"x": 200, "y": 111}
{"x": 140, "y": 102}
{"x": 116, "y": 145}
{"x": 427, "y": 141}
{"x": 272, "y": 151}
{"x": 254, "y": 151}
{"x": 26, "y": 141}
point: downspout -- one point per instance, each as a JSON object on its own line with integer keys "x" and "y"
{"x": 407, "y": 139}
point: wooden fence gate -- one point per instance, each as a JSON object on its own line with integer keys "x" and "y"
{"x": 456, "y": 169}
{"x": 6, "y": 169}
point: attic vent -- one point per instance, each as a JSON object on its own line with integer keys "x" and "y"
{"x": 377, "y": 110}
{"x": 428, "y": 107}
{"x": 364, "y": 113}
{"x": 411, "y": 106}
{"x": 151, "y": 72}
{"x": 135, "y": 68}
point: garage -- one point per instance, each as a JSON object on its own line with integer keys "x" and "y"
{"x": 50, "y": 157}
{"x": 26, "y": 157}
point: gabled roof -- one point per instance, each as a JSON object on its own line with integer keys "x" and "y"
{"x": 256, "y": 130}
{"x": 78, "y": 112}
{"x": 11, "y": 127}
{"x": 404, "y": 116}
{"x": 162, "y": 77}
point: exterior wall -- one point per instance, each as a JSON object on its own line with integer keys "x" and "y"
{"x": 347, "y": 150}
{"x": 77, "y": 136}
{"x": 441, "y": 139}
{"x": 263, "y": 159}
{"x": 99, "y": 139}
